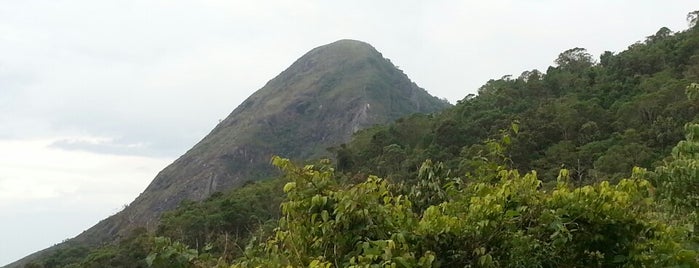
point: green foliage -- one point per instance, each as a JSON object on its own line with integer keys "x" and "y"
{"x": 432, "y": 186}
{"x": 693, "y": 92}
{"x": 596, "y": 119}
{"x": 678, "y": 178}
{"x": 69, "y": 254}
{"x": 693, "y": 18}
{"x": 225, "y": 221}
{"x": 220, "y": 226}
{"x": 575, "y": 59}
{"x": 326, "y": 225}
{"x": 511, "y": 222}
{"x": 130, "y": 251}
{"x": 171, "y": 254}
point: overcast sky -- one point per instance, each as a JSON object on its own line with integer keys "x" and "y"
{"x": 97, "y": 96}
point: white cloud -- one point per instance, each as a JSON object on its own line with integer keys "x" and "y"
{"x": 48, "y": 194}
{"x": 34, "y": 169}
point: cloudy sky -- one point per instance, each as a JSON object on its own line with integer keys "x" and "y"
{"x": 97, "y": 96}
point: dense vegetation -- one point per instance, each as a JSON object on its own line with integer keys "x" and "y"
{"x": 590, "y": 164}
{"x": 499, "y": 219}
{"x": 598, "y": 119}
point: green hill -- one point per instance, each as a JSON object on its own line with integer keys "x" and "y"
{"x": 597, "y": 118}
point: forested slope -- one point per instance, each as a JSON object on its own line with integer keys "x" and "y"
{"x": 598, "y": 118}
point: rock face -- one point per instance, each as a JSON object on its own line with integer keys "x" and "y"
{"x": 318, "y": 102}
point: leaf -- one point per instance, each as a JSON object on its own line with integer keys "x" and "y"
{"x": 151, "y": 257}
{"x": 512, "y": 213}
{"x": 324, "y": 214}
{"x": 619, "y": 259}
{"x": 506, "y": 139}
{"x": 289, "y": 186}
{"x": 402, "y": 262}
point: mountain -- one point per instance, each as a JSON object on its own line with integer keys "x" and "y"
{"x": 318, "y": 102}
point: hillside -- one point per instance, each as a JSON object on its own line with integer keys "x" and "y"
{"x": 589, "y": 164}
{"x": 598, "y": 118}
{"x": 318, "y": 102}
{"x": 613, "y": 179}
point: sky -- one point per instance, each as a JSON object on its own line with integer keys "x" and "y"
{"x": 97, "y": 96}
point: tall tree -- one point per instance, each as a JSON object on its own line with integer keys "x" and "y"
{"x": 693, "y": 18}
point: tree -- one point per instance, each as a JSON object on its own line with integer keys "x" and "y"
{"x": 662, "y": 33}
{"x": 693, "y": 18}
{"x": 574, "y": 59}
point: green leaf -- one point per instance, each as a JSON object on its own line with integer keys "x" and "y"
{"x": 324, "y": 214}
{"x": 619, "y": 259}
{"x": 512, "y": 213}
{"x": 151, "y": 257}
{"x": 289, "y": 186}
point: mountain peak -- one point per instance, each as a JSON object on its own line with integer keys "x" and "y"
{"x": 347, "y": 43}
{"x": 339, "y": 54}
{"x": 347, "y": 47}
